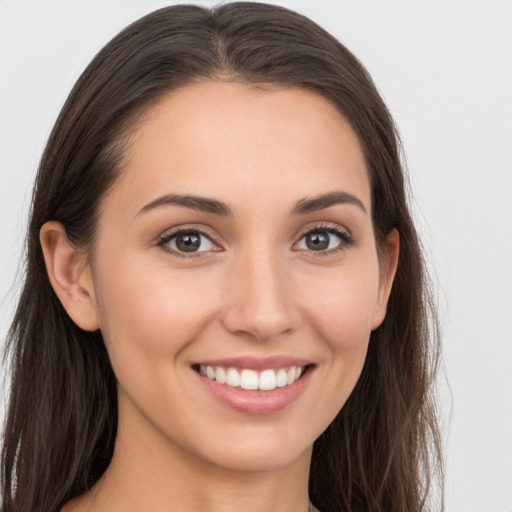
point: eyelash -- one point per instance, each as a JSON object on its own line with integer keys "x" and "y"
{"x": 346, "y": 240}
{"x": 165, "y": 239}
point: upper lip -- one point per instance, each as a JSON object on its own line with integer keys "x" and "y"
{"x": 256, "y": 363}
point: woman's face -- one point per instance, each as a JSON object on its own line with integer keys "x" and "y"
{"x": 238, "y": 242}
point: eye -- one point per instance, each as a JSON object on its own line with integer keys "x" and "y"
{"x": 187, "y": 241}
{"x": 324, "y": 239}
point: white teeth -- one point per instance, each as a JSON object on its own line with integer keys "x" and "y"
{"x": 210, "y": 372}
{"x": 220, "y": 375}
{"x": 247, "y": 379}
{"x": 267, "y": 380}
{"x": 281, "y": 379}
{"x": 232, "y": 378}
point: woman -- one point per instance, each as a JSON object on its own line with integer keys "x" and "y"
{"x": 225, "y": 303}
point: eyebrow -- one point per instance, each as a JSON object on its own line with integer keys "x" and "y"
{"x": 323, "y": 201}
{"x": 204, "y": 204}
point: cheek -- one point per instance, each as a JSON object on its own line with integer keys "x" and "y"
{"x": 340, "y": 310}
{"x": 339, "y": 313}
{"x": 341, "y": 306}
{"x": 148, "y": 312}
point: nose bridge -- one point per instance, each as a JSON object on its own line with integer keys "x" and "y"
{"x": 259, "y": 296}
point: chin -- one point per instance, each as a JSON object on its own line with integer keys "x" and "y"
{"x": 261, "y": 460}
{"x": 260, "y": 451}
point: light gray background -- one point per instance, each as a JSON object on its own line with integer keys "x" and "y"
{"x": 444, "y": 69}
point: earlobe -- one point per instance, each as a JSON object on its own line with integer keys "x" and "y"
{"x": 387, "y": 276}
{"x": 69, "y": 275}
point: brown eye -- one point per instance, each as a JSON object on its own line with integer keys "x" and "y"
{"x": 188, "y": 242}
{"x": 317, "y": 240}
{"x": 327, "y": 240}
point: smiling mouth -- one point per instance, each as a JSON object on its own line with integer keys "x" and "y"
{"x": 252, "y": 380}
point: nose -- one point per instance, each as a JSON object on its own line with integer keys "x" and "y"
{"x": 259, "y": 299}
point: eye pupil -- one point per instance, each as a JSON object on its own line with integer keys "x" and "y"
{"x": 317, "y": 241}
{"x": 188, "y": 242}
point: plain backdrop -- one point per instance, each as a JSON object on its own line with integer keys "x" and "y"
{"x": 444, "y": 69}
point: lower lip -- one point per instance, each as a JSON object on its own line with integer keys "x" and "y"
{"x": 257, "y": 401}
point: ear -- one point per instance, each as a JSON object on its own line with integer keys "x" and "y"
{"x": 387, "y": 275}
{"x": 70, "y": 276}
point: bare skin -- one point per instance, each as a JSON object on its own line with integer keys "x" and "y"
{"x": 252, "y": 274}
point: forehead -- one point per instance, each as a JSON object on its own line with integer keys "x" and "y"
{"x": 240, "y": 143}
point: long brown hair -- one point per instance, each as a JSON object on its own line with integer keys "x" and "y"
{"x": 382, "y": 451}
